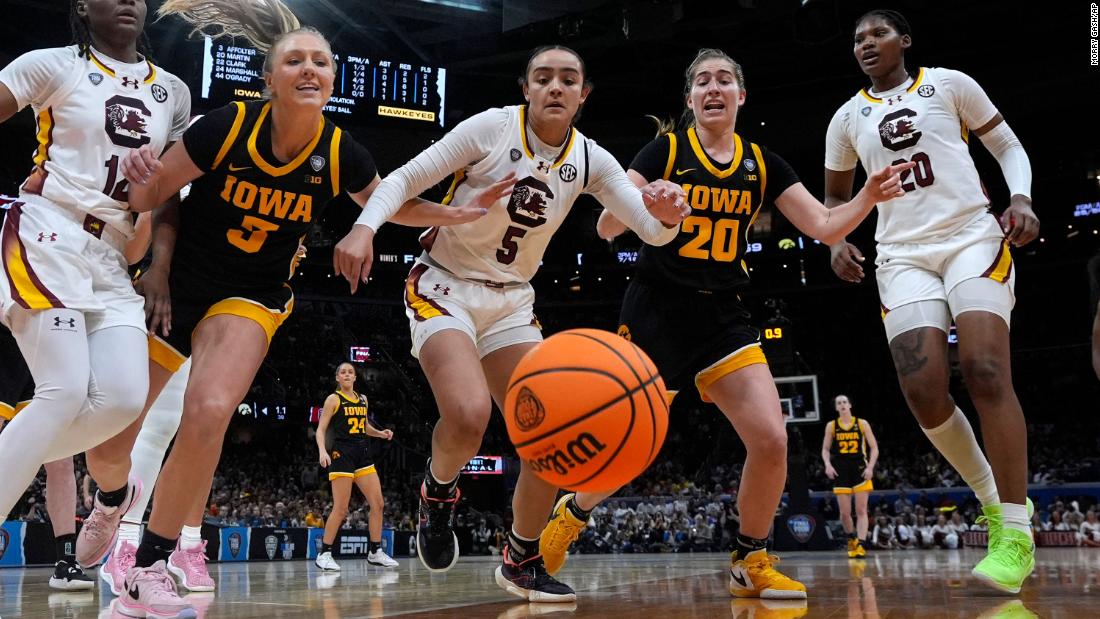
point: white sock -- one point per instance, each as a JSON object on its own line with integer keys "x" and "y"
{"x": 190, "y": 538}
{"x": 128, "y": 532}
{"x": 1015, "y": 517}
{"x": 955, "y": 441}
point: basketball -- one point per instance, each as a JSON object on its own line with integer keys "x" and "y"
{"x": 586, "y": 410}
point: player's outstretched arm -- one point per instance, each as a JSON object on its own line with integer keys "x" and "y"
{"x": 154, "y": 180}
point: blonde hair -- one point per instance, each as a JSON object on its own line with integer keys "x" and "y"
{"x": 687, "y": 119}
{"x": 264, "y": 23}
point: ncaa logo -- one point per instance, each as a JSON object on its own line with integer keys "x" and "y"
{"x": 515, "y": 154}
{"x": 926, "y": 91}
{"x": 530, "y": 413}
{"x": 567, "y": 172}
{"x": 271, "y": 544}
{"x": 235, "y": 544}
{"x": 160, "y": 94}
{"x": 95, "y": 78}
{"x": 866, "y": 111}
{"x": 801, "y": 527}
{"x": 750, "y": 165}
{"x": 316, "y": 162}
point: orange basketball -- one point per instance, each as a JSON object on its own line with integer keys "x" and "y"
{"x": 586, "y": 410}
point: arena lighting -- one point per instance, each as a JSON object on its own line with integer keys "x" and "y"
{"x": 465, "y": 5}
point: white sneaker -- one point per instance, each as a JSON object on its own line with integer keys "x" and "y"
{"x": 378, "y": 557}
{"x": 326, "y": 562}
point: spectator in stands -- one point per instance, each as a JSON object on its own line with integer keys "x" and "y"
{"x": 902, "y": 505}
{"x": 943, "y": 534}
{"x": 884, "y": 537}
{"x": 1056, "y": 522}
{"x": 906, "y": 538}
{"x": 1088, "y": 534}
{"x": 923, "y": 531}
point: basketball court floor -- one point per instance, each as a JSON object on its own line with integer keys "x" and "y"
{"x": 932, "y": 584}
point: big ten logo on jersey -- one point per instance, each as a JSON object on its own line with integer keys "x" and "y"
{"x": 898, "y": 130}
{"x": 527, "y": 207}
{"x": 125, "y": 121}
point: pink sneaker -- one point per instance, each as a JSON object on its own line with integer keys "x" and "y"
{"x": 151, "y": 592}
{"x": 118, "y": 564}
{"x": 100, "y": 530}
{"x": 190, "y": 567}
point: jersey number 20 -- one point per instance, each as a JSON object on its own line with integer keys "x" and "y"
{"x": 721, "y": 234}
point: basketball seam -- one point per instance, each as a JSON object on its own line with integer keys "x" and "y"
{"x": 652, "y": 415}
{"x": 626, "y": 395}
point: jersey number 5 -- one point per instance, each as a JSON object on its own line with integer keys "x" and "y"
{"x": 723, "y": 246}
{"x": 251, "y": 238}
{"x": 509, "y": 247}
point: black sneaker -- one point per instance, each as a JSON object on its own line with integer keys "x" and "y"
{"x": 530, "y": 581}
{"x": 436, "y": 542}
{"x": 69, "y": 577}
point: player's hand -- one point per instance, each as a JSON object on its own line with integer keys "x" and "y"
{"x": 324, "y": 460}
{"x": 665, "y": 200}
{"x": 1019, "y": 222}
{"x": 141, "y": 165}
{"x": 387, "y": 434}
{"x": 353, "y": 256}
{"x": 830, "y": 472}
{"x": 885, "y": 185}
{"x": 487, "y": 198}
{"x": 846, "y": 259}
{"x": 153, "y": 285}
{"x": 868, "y": 473}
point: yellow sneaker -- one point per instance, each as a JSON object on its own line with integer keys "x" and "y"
{"x": 563, "y": 529}
{"x": 754, "y": 577}
{"x": 852, "y": 543}
{"x": 860, "y": 551}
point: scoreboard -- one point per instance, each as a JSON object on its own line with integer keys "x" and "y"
{"x": 366, "y": 87}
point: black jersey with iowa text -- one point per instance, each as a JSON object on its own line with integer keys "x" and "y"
{"x": 241, "y": 224}
{"x": 709, "y": 251}
{"x": 349, "y": 423}
{"x": 849, "y": 443}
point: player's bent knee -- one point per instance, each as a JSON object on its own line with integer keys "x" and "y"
{"x": 985, "y": 376}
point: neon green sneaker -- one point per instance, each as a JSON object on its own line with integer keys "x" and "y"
{"x": 1010, "y": 561}
{"x": 993, "y": 518}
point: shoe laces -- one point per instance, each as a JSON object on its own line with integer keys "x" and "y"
{"x": 533, "y": 568}
{"x": 564, "y": 533}
{"x": 437, "y": 523}
{"x": 158, "y": 580}
{"x": 196, "y": 557}
{"x": 1013, "y": 550}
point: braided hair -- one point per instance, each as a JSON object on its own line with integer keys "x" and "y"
{"x": 895, "y": 19}
{"x": 82, "y": 35}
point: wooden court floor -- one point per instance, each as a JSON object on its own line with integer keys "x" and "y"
{"x": 932, "y": 584}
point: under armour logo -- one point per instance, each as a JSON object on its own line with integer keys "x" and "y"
{"x": 130, "y": 82}
{"x": 441, "y": 289}
{"x": 70, "y": 322}
{"x": 544, "y": 166}
{"x": 44, "y": 237}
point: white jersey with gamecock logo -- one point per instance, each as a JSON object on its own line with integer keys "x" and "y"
{"x": 925, "y": 120}
{"x": 91, "y": 111}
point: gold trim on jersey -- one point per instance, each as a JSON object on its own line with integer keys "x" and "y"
{"x": 269, "y": 320}
{"x": 45, "y": 136}
{"x": 740, "y": 358}
{"x": 458, "y": 179}
{"x": 358, "y": 398}
{"x": 6, "y": 411}
{"x": 865, "y": 486}
{"x": 294, "y": 163}
{"x": 671, "y": 155}
{"x": 152, "y": 75}
{"x": 366, "y": 470}
{"x": 912, "y": 87}
{"x": 102, "y": 67}
{"x": 230, "y": 137}
{"x": 332, "y": 476}
{"x": 759, "y": 207}
{"x": 701, "y": 154}
{"x": 27, "y": 289}
{"x": 560, "y": 159}
{"x": 164, "y": 354}
{"x": 1002, "y": 264}
{"x": 334, "y": 160}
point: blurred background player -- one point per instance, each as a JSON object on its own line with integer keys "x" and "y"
{"x": 352, "y": 461}
{"x": 943, "y": 255}
{"x": 844, "y": 452}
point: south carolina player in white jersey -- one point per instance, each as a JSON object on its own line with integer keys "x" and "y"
{"x": 66, "y": 292}
{"x": 469, "y": 297}
{"x": 943, "y": 255}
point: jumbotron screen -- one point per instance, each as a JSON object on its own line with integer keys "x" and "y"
{"x": 366, "y": 87}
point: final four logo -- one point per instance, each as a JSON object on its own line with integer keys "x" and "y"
{"x": 801, "y": 527}
{"x": 235, "y": 544}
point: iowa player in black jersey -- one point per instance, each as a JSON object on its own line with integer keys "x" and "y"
{"x": 351, "y": 460}
{"x": 850, "y": 451}
{"x": 683, "y": 306}
{"x": 261, "y": 174}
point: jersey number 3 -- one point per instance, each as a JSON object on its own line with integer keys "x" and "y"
{"x": 250, "y": 238}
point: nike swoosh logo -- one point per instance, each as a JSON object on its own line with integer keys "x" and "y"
{"x": 739, "y": 579}
{"x": 233, "y": 168}
{"x": 683, "y": 172}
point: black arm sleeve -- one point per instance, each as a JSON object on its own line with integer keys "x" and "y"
{"x": 780, "y": 176}
{"x": 205, "y": 136}
{"x": 357, "y": 167}
{"x": 650, "y": 162}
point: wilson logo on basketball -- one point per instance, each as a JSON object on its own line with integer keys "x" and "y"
{"x": 577, "y": 451}
{"x": 529, "y": 411}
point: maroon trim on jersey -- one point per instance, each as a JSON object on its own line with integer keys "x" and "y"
{"x": 416, "y": 301}
{"x": 10, "y": 244}
{"x": 427, "y": 240}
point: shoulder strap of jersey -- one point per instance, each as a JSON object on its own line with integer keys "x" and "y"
{"x": 334, "y": 159}
{"x": 759, "y": 155}
{"x": 231, "y": 137}
{"x": 671, "y": 155}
